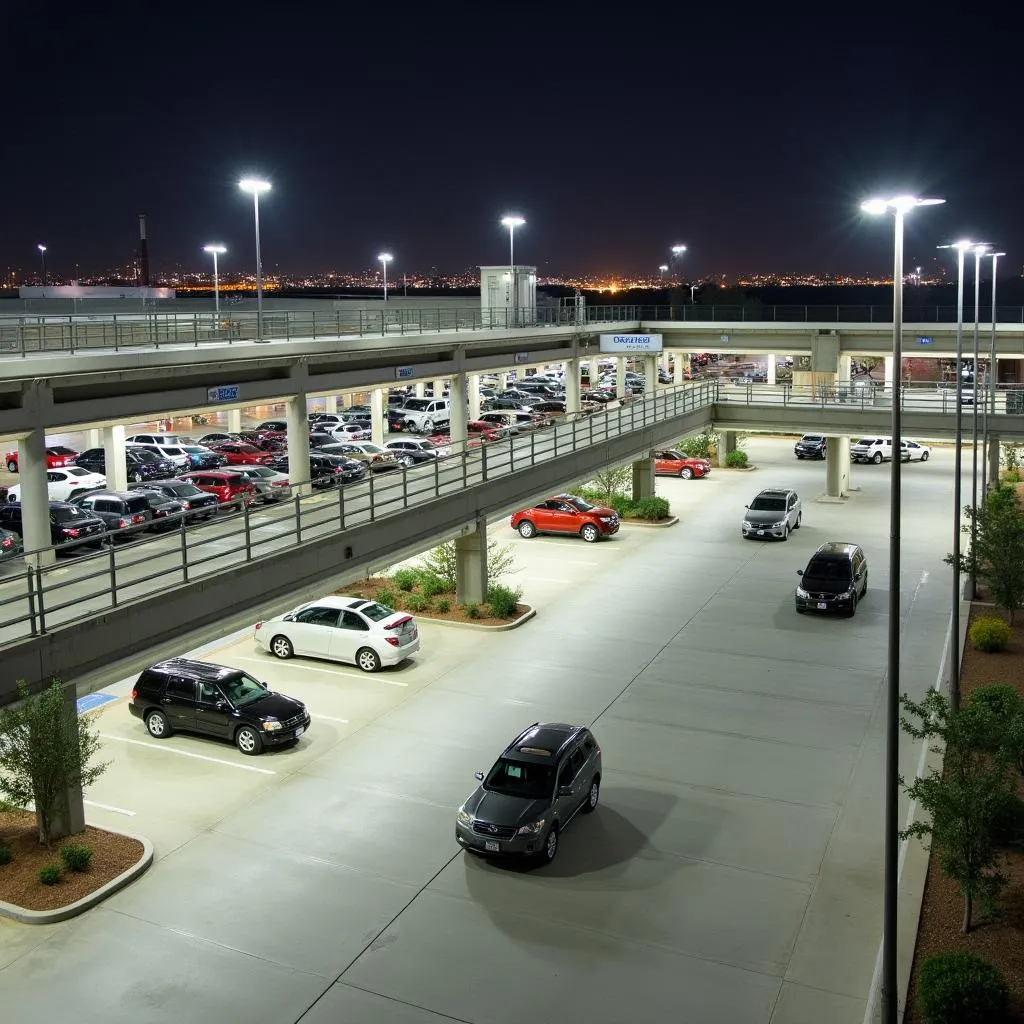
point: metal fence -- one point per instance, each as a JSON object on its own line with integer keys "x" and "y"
{"x": 755, "y": 312}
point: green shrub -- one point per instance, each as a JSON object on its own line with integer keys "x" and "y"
{"x": 736, "y": 459}
{"x": 444, "y": 605}
{"x": 699, "y": 447}
{"x": 416, "y": 603}
{"x": 472, "y": 611}
{"x": 622, "y": 505}
{"x": 989, "y": 633}
{"x": 431, "y": 585}
{"x": 590, "y": 494}
{"x": 405, "y": 579}
{"x": 652, "y": 508}
{"x": 75, "y": 856}
{"x": 1011, "y": 476}
{"x": 960, "y": 988}
{"x": 6, "y": 854}
{"x": 50, "y": 875}
{"x": 504, "y": 601}
{"x": 387, "y": 597}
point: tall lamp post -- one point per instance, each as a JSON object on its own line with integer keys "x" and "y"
{"x": 42, "y": 256}
{"x": 257, "y": 188}
{"x": 385, "y": 258}
{"x": 899, "y": 206}
{"x": 513, "y": 221}
{"x": 215, "y": 249}
{"x": 972, "y": 582}
{"x": 990, "y": 383}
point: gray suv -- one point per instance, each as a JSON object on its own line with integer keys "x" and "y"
{"x": 774, "y": 512}
{"x": 545, "y": 775}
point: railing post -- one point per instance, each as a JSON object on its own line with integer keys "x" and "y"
{"x": 113, "y": 572}
{"x": 373, "y": 510}
{"x": 298, "y": 518}
{"x": 483, "y": 458}
{"x": 437, "y": 478}
{"x": 405, "y": 486}
{"x": 39, "y": 592}
{"x": 248, "y": 532}
{"x": 184, "y": 551}
{"x": 341, "y": 506}
{"x": 31, "y": 600}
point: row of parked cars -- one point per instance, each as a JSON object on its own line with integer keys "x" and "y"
{"x": 865, "y": 449}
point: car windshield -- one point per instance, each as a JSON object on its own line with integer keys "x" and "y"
{"x": 375, "y": 612}
{"x": 260, "y": 471}
{"x": 416, "y": 404}
{"x": 173, "y": 451}
{"x": 193, "y": 449}
{"x": 866, "y": 440}
{"x": 75, "y": 471}
{"x": 371, "y": 449}
{"x": 828, "y": 569}
{"x": 59, "y": 449}
{"x": 68, "y": 512}
{"x": 521, "y": 778}
{"x": 765, "y": 503}
{"x": 243, "y": 689}
{"x": 815, "y": 438}
{"x": 426, "y": 445}
{"x": 143, "y": 456}
{"x": 580, "y": 505}
{"x": 184, "y": 490}
{"x": 155, "y": 500}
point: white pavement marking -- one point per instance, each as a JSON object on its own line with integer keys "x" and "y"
{"x": 187, "y": 753}
{"x": 331, "y": 718}
{"x": 331, "y": 672}
{"x": 107, "y": 807}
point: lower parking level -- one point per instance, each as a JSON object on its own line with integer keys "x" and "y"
{"x": 731, "y": 873}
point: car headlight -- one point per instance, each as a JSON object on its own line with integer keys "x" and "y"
{"x": 847, "y": 593}
{"x": 800, "y": 592}
{"x": 271, "y": 725}
{"x": 747, "y": 524}
{"x": 781, "y": 522}
{"x": 463, "y": 816}
{"x": 533, "y": 830}
{"x": 606, "y": 519}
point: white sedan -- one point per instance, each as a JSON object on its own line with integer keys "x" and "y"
{"x": 914, "y": 452}
{"x": 63, "y": 484}
{"x": 351, "y": 629}
{"x": 349, "y": 432}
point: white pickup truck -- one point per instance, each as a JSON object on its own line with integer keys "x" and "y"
{"x": 426, "y": 415}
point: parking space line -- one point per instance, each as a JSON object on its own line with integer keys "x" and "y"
{"x": 331, "y": 718}
{"x": 188, "y": 753}
{"x": 107, "y": 807}
{"x": 371, "y": 678}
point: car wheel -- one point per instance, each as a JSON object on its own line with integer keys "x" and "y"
{"x": 410, "y": 425}
{"x": 527, "y": 529}
{"x": 590, "y": 533}
{"x": 785, "y": 533}
{"x": 137, "y": 477}
{"x": 876, "y": 458}
{"x": 12, "y": 466}
{"x": 158, "y": 726}
{"x": 924, "y": 456}
{"x": 550, "y": 849}
{"x": 428, "y": 426}
{"x": 368, "y": 659}
{"x": 248, "y": 741}
{"x": 864, "y": 591}
{"x": 799, "y": 610}
{"x": 686, "y": 473}
{"x": 799, "y": 520}
{"x": 800, "y": 457}
{"x": 853, "y": 606}
{"x": 281, "y": 646}
{"x": 593, "y": 796}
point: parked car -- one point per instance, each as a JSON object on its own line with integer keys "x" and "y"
{"x": 835, "y": 579}
{"x": 411, "y": 452}
{"x": 198, "y": 504}
{"x": 140, "y": 463}
{"x": 545, "y": 776}
{"x": 351, "y": 431}
{"x": 161, "y": 439}
{"x": 548, "y": 407}
{"x": 872, "y": 449}
{"x": 239, "y": 453}
{"x": 774, "y": 512}
{"x": 217, "y": 437}
{"x": 486, "y": 431}
{"x": 70, "y": 526}
{"x": 271, "y": 485}
{"x": 57, "y": 456}
{"x": 183, "y": 695}
{"x": 265, "y": 442}
{"x": 174, "y": 452}
{"x": 914, "y": 452}
{"x": 811, "y": 446}
{"x": 395, "y": 420}
{"x": 324, "y": 420}
{"x": 350, "y": 629}
{"x": 119, "y": 510}
{"x": 600, "y": 395}
{"x": 675, "y": 463}
{"x": 201, "y": 457}
{"x": 377, "y": 459}
{"x": 10, "y": 544}
{"x": 327, "y": 468}
{"x": 63, "y": 484}
{"x": 232, "y": 490}
{"x": 271, "y": 427}
{"x": 566, "y": 513}
{"x": 168, "y": 513}
{"x": 425, "y": 415}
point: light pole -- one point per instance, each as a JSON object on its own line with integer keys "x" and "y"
{"x": 663, "y": 270}
{"x": 979, "y": 251}
{"x": 257, "y": 187}
{"x": 385, "y": 258}
{"x": 900, "y": 205}
{"x": 513, "y": 221}
{"x": 215, "y": 249}
{"x": 990, "y": 383}
{"x": 42, "y": 256}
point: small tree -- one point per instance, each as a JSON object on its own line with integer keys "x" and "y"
{"x": 45, "y": 751}
{"x": 442, "y": 562}
{"x": 610, "y": 482}
{"x": 700, "y": 446}
{"x": 966, "y": 802}
{"x": 998, "y": 554}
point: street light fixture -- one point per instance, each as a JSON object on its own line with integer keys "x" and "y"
{"x": 990, "y": 386}
{"x": 899, "y": 206}
{"x": 42, "y": 256}
{"x": 256, "y": 186}
{"x": 385, "y": 258}
{"x": 972, "y": 582}
{"x": 215, "y": 249}
{"x": 513, "y": 221}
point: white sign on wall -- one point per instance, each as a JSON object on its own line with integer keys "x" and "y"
{"x": 623, "y": 344}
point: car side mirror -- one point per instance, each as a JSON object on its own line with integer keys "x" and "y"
{"x": 289, "y": 618}
{"x": 479, "y": 776}
{"x": 799, "y": 572}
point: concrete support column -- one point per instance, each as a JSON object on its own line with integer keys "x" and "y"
{"x": 665, "y": 354}
{"x": 92, "y": 438}
{"x": 888, "y": 371}
{"x": 650, "y": 374}
{"x": 35, "y": 497}
{"x": 837, "y": 467}
{"x": 572, "y": 386}
{"x": 298, "y": 443}
{"x": 457, "y": 429}
{"x": 471, "y": 565}
{"x": 993, "y": 462}
{"x": 620, "y": 378}
{"x": 346, "y": 400}
{"x": 643, "y": 479}
{"x": 378, "y": 402}
{"x": 234, "y": 421}
{"x": 113, "y": 456}
{"x": 845, "y": 369}
{"x": 330, "y": 403}
{"x": 726, "y": 443}
{"x": 474, "y": 396}
{"x": 439, "y": 387}
{"x": 772, "y": 365}
{"x": 421, "y": 389}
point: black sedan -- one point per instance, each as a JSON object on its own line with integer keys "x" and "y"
{"x": 549, "y": 407}
{"x": 142, "y": 465}
{"x": 168, "y": 513}
{"x": 325, "y": 470}
{"x": 198, "y": 504}
{"x": 601, "y": 395}
{"x": 70, "y": 526}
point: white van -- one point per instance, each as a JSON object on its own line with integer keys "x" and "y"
{"x": 872, "y": 449}
{"x": 426, "y": 415}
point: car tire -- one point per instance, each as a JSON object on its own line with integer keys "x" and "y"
{"x": 876, "y": 458}
{"x": 853, "y": 606}
{"x": 799, "y": 610}
{"x": 12, "y": 466}
{"x": 800, "y": 457}
{"x": 799, "y": 520}
{"x": 686, "y": 473}
{"x": 157, "y": 725}
{"x": 593, "y": 796}
{"x": 428, "y": 426}
{"x": 864, "y": 591}
{"x": 137, "y": 477}
{"x": 549, "y": 850}
{"x": 249, "y": 741}
{"x": 527, "y": 529}
{"x": 590, "y": 533}
{"x": 407, "y": 462}
{"x": 368, "y": 659}
{"x": 785, "y": 534}
{"x": 281, "y": 647}
{"x": 410, "y": 425}
{"x": 924, "y": 456}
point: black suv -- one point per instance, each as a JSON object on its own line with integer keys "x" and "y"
{"x": 141, "y": 464}
{"x": 120, "y": 510}
{"x": 69, "y": 524}
{"x": 213, "y": 700}
{"x": 543, "y": 777}
{"x": 198, "y": 504}
{"x": 811, "y": 446}
{"x": 836, "y": 577}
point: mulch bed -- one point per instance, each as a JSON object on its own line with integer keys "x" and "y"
{"x": 369, "y": 587}
{"x": 112, "y": 854}
{"x": 1001, "y": 942}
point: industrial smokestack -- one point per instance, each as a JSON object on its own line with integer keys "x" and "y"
{"x": 143, "y": 253}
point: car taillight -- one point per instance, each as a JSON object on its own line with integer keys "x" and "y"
{"x": 6, "y": 543}
{"x": 393, "y": 640}
{"x": 135, "y": 694}
{"x": 69, "y": 531}
{"x": 122, "y": 523}
{"x": 259, "y": 626}
{"x": 376, "y": 458}
{"x": 138, "y": 518}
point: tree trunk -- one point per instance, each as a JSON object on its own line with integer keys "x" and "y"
{"x": 965, "y": 925}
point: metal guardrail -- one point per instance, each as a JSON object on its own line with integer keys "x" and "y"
{"x": 756, "y": 312}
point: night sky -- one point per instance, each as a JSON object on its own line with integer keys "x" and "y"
{"x": 751, "y": 140}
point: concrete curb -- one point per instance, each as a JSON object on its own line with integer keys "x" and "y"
{"x": 514, "y": 624}
{"x": 16, "y": 913}
{"x": 644, "y": 524}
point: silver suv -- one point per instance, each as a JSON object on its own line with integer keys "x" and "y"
{"x": 774, "y": 512}
{"x": 544, "y": 776}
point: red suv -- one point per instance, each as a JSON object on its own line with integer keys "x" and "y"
{"x": 675, "y": 463}
{"x": 231, "y": 489}
{"x": 238, "y": 453}
{"x": 57, "y": 457}
{"x": 566, "y": 513}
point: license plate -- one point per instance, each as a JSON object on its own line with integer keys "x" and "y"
{"x": 491, "y": 846}
{"x": 299, "y": 731}
{"x": 822, "y": 606}
{"x": 760, "y": 533}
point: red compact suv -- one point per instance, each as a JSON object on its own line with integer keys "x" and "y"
{"x": 231, "y": 489}
{"x": 57, "y": 457}
{"x": 566, "y": 513}
{"x": 676, "y": 463}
